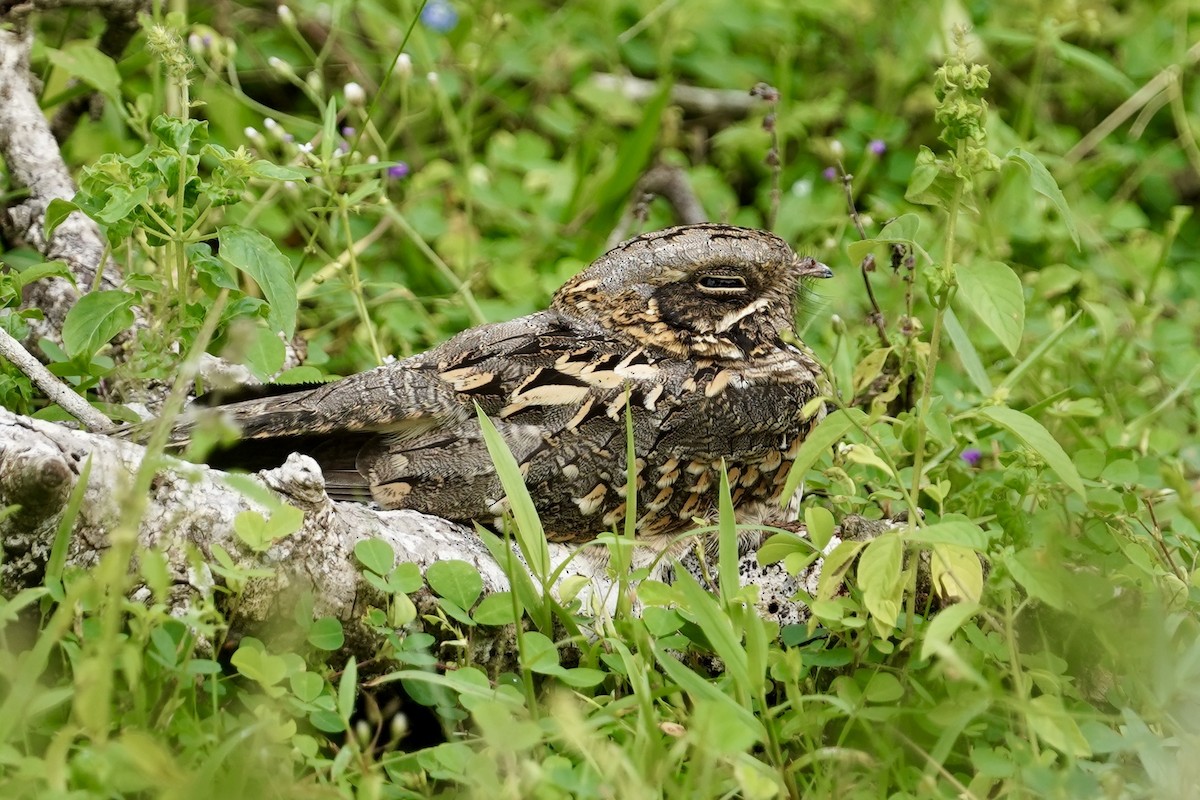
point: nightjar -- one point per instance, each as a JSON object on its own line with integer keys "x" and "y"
{"x": 682, "y": 324}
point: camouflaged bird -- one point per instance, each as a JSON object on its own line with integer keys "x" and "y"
{"x": 683, "y": 324}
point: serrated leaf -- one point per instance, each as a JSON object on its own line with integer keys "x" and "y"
{"x": 1044, "y": 184}
{"x": 455, "y": 580}
{"x": 1037, "y": 438}
{"x": 95, "y": 319}
{"x": 258, "y": 257}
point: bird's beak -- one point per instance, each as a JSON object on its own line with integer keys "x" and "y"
{"x": 811, "y": 268}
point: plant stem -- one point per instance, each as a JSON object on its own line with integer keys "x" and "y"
{"x": 935, "y": 336}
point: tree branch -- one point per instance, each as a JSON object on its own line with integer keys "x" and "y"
{"x": 193, "y": 508}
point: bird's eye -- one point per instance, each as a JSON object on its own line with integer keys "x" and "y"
{"x": 723, "y": 283}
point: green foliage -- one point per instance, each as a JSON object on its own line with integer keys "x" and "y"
{"x": 1030, "y": 405}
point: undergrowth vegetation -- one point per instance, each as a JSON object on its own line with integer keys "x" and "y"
{"x": 1011, "y": 338}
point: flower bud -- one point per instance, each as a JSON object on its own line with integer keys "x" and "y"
{"x": 355, "y": 95}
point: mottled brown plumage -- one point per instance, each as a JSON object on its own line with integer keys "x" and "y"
{"x": 683, "y": 322}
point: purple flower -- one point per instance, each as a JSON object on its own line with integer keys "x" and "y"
{"x": 348, "y": 132}
{"x": 439, "y": 16}
{"x": 398, "y": 171}
{"x": 877, "y": 147}
{"x": 830, "y": 174}
{"x": 972, "y": 456}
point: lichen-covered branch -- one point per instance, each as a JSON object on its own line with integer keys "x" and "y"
{"x": 192, "y": 510}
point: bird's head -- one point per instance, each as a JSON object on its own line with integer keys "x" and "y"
{"x": 706, "y": 290}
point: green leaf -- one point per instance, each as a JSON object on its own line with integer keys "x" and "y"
{"x": 880, "y": 577}
{"x": 902, "y": 230}
{"x": 326, "y": 634}
{"x": 1043, "y": 347}
{"x": 819, "y": 440}
{"x": 717, "y": 627}
{"x": 90, "y": 66}
{"x": 820, "y": 524}
{"x": 699, "y": 688}
{"x": 376, "y": 555}
{"x": 993, "y": 293}
{"x": 347, "y": 687}
{"x": 1045, "y": 185}
{"x": 782, "y": 545}
{"x": 1037, "y": 438}
{"x": 582, "y": 677}
{"x": 727, "y": 542}
{"x": 835, "y": 567}
{"x": 938, "y": 632}
{"x": 1035, "y": 571}
{"x": 306, "y": 686}
{"x": 259, "y": 532}
{"x": 406, "y": 578}
{"x": 1056, "y": 726}
{"x": 883, "y": 687}
{"x": 540, "y": 653}
{"x": 56, "y": 213}
{"x": 258, "y": 257}
{"x": 279, "y": 172}
{"x": 36, "y": 272}
{"x": 495, "y": 609}
{"x": 956, "y": 572}
{"x": 530, "y": 536}
{"x": 457, "y": 581}
{"x": 967, "y": 353}
{"x": 961, "y": 532}
{"x": 95, "y": 319}
{"x": 265, "y": 353}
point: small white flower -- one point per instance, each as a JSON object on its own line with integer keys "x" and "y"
{"x": 802, "y": 187}
{"x": 404, "y": 67}
{"x": 252, "y": 134}
{"x": 355, "y": 95}
{"x": 270, "y": 124}
{"x": 837, "y": 148}
{"x": 279, "y": 65}
{"x": 285, "y": 15}
{"x": 432, "y": 77}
